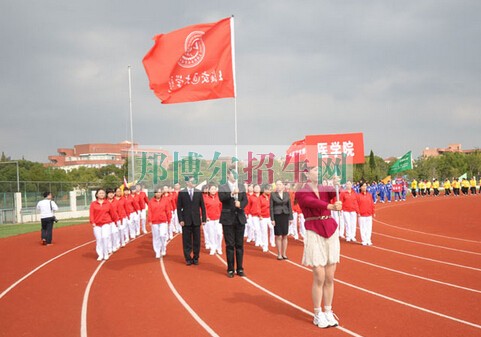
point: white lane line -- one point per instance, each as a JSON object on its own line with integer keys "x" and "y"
{"x": 398, "y": 301}
{"x": 411, "y": 275}
{"x": 83, "y": 315}
{"x": 187, "y": 307}
{"x": 352, "y": 333}
{"x": 427, "y": 259}
{"x": 40, "y": 267}
{"x": 428, "y": 244}
{"x": 425, "y": 233}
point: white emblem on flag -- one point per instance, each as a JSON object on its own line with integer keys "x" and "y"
{"x": 194, "y": 50}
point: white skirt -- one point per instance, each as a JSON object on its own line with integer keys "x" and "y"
{"x": 319, "y": 251}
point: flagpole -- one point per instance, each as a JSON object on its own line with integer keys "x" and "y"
{"x": 232, "y": 39}
{"x": 131, "y": 125}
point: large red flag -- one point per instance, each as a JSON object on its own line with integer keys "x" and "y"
{"x": 194, "y": 63}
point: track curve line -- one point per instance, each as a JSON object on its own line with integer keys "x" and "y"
{"x": 6, "y": 291}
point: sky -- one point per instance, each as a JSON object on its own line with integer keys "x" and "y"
{"x": 407, "y": 74}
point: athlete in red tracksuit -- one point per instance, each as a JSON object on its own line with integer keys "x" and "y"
{"x": 350, "y": 209}
{"x": 159, "y": 216}
{"x": 366, "y": 212}
{"x": 255, "y": 212}
{"x": 123, "y": 222}
{"x": 101, "y": 216}
{"x": 266, "y": 226}
{"x": 213, "y": 228}
{"x": 143, "y": 201}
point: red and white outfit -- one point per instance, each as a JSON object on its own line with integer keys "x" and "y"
{"x": 132, "y": 209}
{"x": 266, "y": 226}
{"x": 366, "y": 212}
{"x": 255, "y": 212}
{"x": 174, "y": 225}
{"x": 296, "y": 227}
{"x": 160, "y": 214}
{"x": 350, "y": 209}
{"x": 101, "y": 216}
{"x": 123, "y": 221}
{"x": 143, "y": 201}
{"x": 213, "y": 228}
{"x": 247, "y": 212}
{"x": 114, "y": 242}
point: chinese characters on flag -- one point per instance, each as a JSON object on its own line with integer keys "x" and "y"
{"x": 194, "y": 63}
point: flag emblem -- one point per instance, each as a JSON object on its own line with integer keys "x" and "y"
{"x": 194, "y": 50}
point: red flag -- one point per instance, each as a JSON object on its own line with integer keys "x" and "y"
{"x": 194, "y": 63}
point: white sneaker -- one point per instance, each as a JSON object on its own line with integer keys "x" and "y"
{"x": 212, "y": 252}
{"x": 219, "y": 251}
{"x": 106, "y": 257}
{"x": 157, "y": 256}
{"x": 164, "y": 253}
{"x": 100, "y": 258}
{"x": 331, "y": 318}
{"x": 320, "y": 320}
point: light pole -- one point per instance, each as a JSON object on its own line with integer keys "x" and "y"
{"x": 18, "y": 172}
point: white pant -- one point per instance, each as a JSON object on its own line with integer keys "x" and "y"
{"x": 365, "y": 226}
{"x": 301, "y": 221}
{"x": 214, "y": 232}
{"x": 123, "y": 231}
{"x": 337, "y": 215}
{"x": 115, "y": 237}
{"x": 255, "y": 231}
{"x": 143, "y": 220}
{"x": 350, "y": 221}
{"x": 264, "y": 225}
{"x": 159, "y": 238}
{"x": 133, "y": 224}
{"x": 247, "y": 232}
{"x": 102, "y": 235}
{"x": 293, "y": 227}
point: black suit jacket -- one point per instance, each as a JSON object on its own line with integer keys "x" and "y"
{"x": 229, "y": 211}
{"x": 281, "y": 205}
{"x": 189, "y": 211}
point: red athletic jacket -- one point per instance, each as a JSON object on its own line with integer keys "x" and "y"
{"x": 142, "y": 199}
{"x": 265, "y": 202}
{"x": 121, "y": 207}
{"x": 213, "y": 206}
{"x": 349, "y": 201}
{"x": 160, "y": 210}
{"x": 366, "y": 204}
{"x": 101, "y": 213}
{"x": 115, "y": 207}
{"x": 254, "y": 205}
{"x": 131, "y": 205}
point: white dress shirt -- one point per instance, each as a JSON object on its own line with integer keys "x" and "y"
{"x": 46, "y": 208}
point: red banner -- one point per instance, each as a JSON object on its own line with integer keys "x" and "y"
{"x": 191, "y": 64}
{"x": 350, "y": 144}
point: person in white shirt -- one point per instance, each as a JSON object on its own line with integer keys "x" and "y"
{"x": 46, "y": 208}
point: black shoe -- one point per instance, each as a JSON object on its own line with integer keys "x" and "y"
{"x": 230, "y": 274}
{"x": 188, "y": 262}
{"x": 241, "y": 273}
{"x": 285, "y": 258}
{"x": 196, "y": 262}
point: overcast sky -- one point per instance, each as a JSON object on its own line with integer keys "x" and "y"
{"x": 405, "y": 73}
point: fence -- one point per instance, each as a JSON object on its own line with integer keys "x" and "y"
{"x": 32, "y": 193}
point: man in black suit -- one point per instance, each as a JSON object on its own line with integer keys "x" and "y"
{"x": 190, "y": 204}
{"x": 233, "y": 220}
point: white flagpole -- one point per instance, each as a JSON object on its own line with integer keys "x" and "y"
{"x": 232, "y": 39}
{"x": 131, "y": 125}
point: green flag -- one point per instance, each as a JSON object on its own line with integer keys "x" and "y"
{"x": 464, "y": 176}
{"x": 402, "y": 164}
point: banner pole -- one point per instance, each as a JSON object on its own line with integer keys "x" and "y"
{"x": 132, "y": 160}
{"x": 232, "y": 39}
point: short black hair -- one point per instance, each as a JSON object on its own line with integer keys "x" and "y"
{"x": 46, "y": 194}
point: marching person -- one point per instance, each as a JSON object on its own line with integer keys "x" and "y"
{"x": 158, "y": 218}
{"x": 366, "y": 213}
{"x": 414, "y": 188}
{"x": 350, "y": 209}
{"x": 132, "y": 208}
{"x": 123, "y": 222}
{"x": 46, "y": 208}
{"x": 190, "y": 208}
{"x": 114, "y": 242}
{"x": 281, "y": 216}
{"x": 321, "y": 244}
{"x": 233, "y": 219}
{"x": 213, "y": 207}
{"x": 101, "y": 216}
{"x": 206, "y": 229}
{"x": 255, "y": 214}
{"x": 265, "y": 218}
{"x": 143, "y": 201}
{"x": 447, "y": 187}
{"x": 435, "y": 187}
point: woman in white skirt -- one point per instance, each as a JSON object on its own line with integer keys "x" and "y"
{"x": 321, "y": 244}
{"x": 159, "y": 216}
{"x": 101, "y": 216}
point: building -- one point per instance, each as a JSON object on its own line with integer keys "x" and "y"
{"x": 90, "y": 155}
{"x": 452, "y": 148}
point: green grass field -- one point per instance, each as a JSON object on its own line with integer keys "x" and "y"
{"x": 17, "y": 229}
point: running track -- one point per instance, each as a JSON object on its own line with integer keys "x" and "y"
{"x": 422, "y": 277}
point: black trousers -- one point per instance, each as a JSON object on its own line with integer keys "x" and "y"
{"x": 234, "y": 245}
{"x": 191, "y": 242}
{"x": 47, "y": 229}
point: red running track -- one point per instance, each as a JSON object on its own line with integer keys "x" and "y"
{"x": 422, "y": 277}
